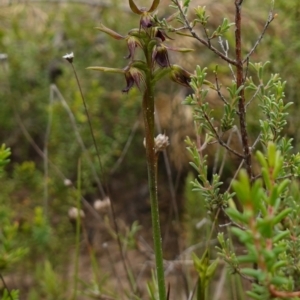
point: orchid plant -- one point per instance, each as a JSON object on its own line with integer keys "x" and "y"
{"x": 149, "y": 38}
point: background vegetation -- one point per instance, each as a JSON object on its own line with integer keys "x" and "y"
{"x": 42, "y": 121}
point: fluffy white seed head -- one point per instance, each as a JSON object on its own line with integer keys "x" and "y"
{"x": 161, "y": 142}
{"x": 74, "y": 212}
{"x": 100, "y": 205}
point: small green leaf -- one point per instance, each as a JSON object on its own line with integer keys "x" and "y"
{"x": 278, "y": 164}
{"x": 253, "y": 295}
{"x": 257, "y": 274}
{"x": 281, "y": 215}
{"x": 288, "y": 105}
{"x": 260, "y": 73}
{"x": 201, "y": 264}
{"x": 257, "y": 195}
{"x": 266, "y": 177}
{"x": 283, "y": 185}
{"x": 271, "y": 154}
{"x": 265, "y": 227}
{"x": 239, "y": 90}
{"x": 244, "y": 236}
{"x": 182, "y": 50}
{"x": 194, "y": 166}
{"x": 262, "y": 160}
{"x": 280, "y": 236}
{"x": 242, "y": 187}
{"x": 250, "y": 258}
{"x": 183, "y": 33}
{"x": 110, "y": 32}
{"x": 274, "y": 196}
{"x": 211, "y": 269}
{"x": 104, "y": 69}
{"x": 279, "y": 280}
{"x": 236, "y": 216}
{"x": 278, "y": 265}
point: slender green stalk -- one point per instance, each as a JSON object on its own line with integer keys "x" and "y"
{"x": 148, "y": 112}
{"x": 123, "y": 256}
{"x": 78, "y": 223}
{"x": 91, "y": 129}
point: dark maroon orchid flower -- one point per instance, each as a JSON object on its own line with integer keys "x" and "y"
{"x": 146, "y": 20}
{"x": 133, "y": 76}
{"x": 160, "y": 55}
{"x": 131, "y": 38}
{"x": 162, "y": 35}
{"x": 132, "y": 43}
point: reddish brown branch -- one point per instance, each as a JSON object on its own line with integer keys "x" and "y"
{"x": 283, "y": 294}
{"x": 239, "y": 82}
{"x": 270, "y": 19}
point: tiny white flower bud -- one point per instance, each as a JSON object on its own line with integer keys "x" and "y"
{"x": 3, "y": 56}
{"x": 100, "y": 205}
{"x": 73, "y": 213}
{"x": 67, "y": 182}
{"x": 69, "y": 57}
{"x": 161, "y": 142}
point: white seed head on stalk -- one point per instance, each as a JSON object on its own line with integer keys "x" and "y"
{"x": 161, "y": 142}
{"x": 100, "y": 205}
{"x": 67, "y": 182}
{"x": 74, "y": 212}
{"x": 69, "y": 57}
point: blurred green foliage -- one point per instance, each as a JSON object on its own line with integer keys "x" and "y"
{"x": 35, "y": 36}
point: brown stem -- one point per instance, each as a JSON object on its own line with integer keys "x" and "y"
{"x": 270, "y": 19}
{"x": 239, "y": 82}
{"x": 218, "y": 89}
{"x": 283, "y": 294}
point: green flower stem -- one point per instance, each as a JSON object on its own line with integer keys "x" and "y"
{"x": 148, "y": 112}
{"x": 78, "y": 225}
